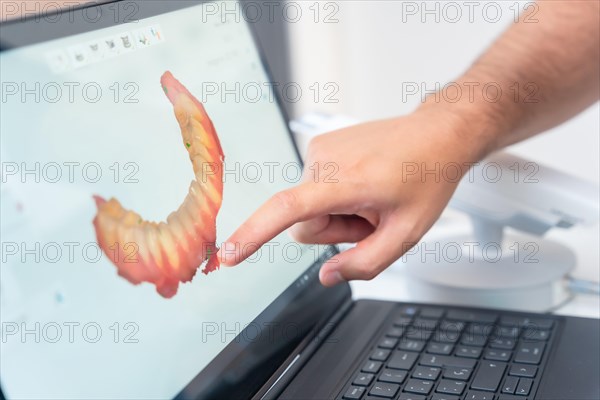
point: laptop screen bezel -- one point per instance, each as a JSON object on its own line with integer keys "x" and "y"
{"x": 307, "y": 306}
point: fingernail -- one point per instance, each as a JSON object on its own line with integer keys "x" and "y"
{"x": 331, "y": 278}
{"x": 227, "y": 255}
{"x": 220, "y": 257}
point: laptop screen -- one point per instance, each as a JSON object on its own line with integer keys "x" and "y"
{"x": 88, "y": 115}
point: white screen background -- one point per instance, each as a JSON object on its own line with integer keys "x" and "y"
{"x": 171, "y": 348}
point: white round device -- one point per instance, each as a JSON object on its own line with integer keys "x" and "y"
{"x": 519, "y": 274}
{"x": 490, "y": 268}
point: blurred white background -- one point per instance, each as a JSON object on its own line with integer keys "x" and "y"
{"x": 376, "y": 46}
{"x": 369, "y": 49}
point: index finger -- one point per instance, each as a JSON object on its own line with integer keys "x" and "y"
{"x": 281, "y": 211}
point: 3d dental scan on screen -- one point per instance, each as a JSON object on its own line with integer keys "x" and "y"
{"x": 191, "y": 209}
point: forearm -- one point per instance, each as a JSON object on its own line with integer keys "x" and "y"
{"x": 547, "y": 71}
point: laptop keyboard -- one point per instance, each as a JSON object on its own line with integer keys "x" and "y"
{"x": 435, "y": 353}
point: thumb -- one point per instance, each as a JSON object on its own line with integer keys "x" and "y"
{"x": 370, "y": 256}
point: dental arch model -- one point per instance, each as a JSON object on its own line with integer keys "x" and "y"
{"x": 168, "y": 253}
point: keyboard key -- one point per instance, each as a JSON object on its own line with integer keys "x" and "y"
{"x": 446, "y": 336}
{"x": 530, "y": 353}
{"x": 443, "y": 396}
{"x": 526, "y": 371}
{"x": 380, "y": 355}
{"x": 418, "y": 334}
{"x": 509, "y": 320}
{"x": 510, "y": 385}
{"x": 540, "y": 323}
{"x": 535, "y": 335}
{"x": 473, "y": 340}
{"x": 411, "y": 345}
{"x": 411, "y": 396}
{"x": 510, "y": 397}
{"x": 433, "y": 360}
{"x": 382, "y": 389}
{"x": 427, "y": 373}
{"x": 354, "y": 392}
{"x": 475, "y": 395}
{"x": 388, "y": 343}
{"x": 480, "y": 329}
{"x": 497, "y": 355}
{"x": 402, "y": 360}
{"x": 394, "y": 332}
{"x": 524, "y": 387}
{"x": 468, "y": 351}
{"x": 461, "y": 374}
{"x": 392, "y": 376}
{"x": 451, "y": 387}
{"x": 501, "y": 343}
{"x": 456, "y": 326}
{"x": 408, "y": 311}
{"x": 402, "y": 321}
{"x": 430, "y": 312}
{"x": 488, "y": 376}
{"x": 471, "y": 316}
{"x": 440, "y": 348}
{"x": 426, "y": 324}
{"x": 371, "y": 367}
{"x": 418, "y": 386}
{"x": 363, "y": 379}
{"x": 509, "y": 332}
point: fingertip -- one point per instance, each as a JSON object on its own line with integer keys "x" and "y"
{"x": 293, "y": 231}
{"x": 332, "y": 278}
{"x": 296, "y": 233}
{"x": 226, "y": 257}
{"x": 330, "y": 275}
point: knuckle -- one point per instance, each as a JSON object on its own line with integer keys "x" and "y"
{"x": 410, "y": 232}
{"x": 412, "y": 237}
{"x": 247, "y": 229}
{"x": 285, "y": 200}
{"x": 316, "y": 142}
{"x": 365, "y": 272}
{"x": 298, "y": 233}
{"x": 315, "y": 146}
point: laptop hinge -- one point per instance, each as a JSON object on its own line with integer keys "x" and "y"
{"x": 300, "y": 356}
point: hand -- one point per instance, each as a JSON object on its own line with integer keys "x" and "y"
{"x": 394, "y": 178}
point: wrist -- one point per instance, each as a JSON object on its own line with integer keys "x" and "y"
{"x": 476, "y": 113}
{"x": 466, "y": 130}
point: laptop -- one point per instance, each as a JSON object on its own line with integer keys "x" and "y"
{"x": 84, "y": 114}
